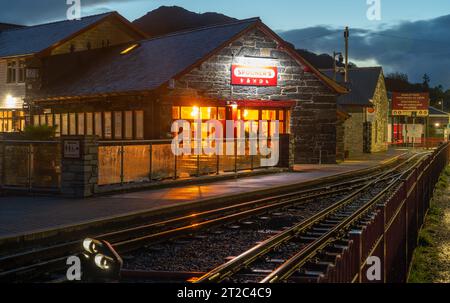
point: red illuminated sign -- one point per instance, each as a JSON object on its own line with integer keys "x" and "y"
{"x": 254, "y": 75}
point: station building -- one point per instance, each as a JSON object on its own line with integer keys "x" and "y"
{"x": 365, "y": 128}
{"x": 132, "y": 88}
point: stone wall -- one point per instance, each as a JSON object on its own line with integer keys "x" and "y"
{"x": 314, "y": 118}
{"x": 79, "y": 177}
{"x": 340, "y": 144}
{"x": 354, "y": 131}
{"x": 380, "y": 123}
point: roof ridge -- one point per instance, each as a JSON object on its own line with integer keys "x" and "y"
{"x": 55, "y": 22}
{"x": 437, "y": 109}
{"x": 14, "y": 24}
{"x": 202, "y": 28}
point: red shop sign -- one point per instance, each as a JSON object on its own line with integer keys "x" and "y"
{"x": 254, "y": 75}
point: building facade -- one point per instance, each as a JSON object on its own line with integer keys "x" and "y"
{"x": 367, "y": 105}
{"x": 138, "y": 90}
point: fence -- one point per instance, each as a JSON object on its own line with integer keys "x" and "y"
{"x": 146, "y": 161}
{"x": 392, "y": 230}
{"x": 31, "y": 165}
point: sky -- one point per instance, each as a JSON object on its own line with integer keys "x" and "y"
{"x": 411, "y": 36}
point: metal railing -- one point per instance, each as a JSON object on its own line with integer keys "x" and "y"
{"x": 392, "y": 231}
{"x": 31, "y": 165}
{"x": 122, "y": 162}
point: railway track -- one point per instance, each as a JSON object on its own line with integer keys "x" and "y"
{"x": 46, "y": 262}
{"x": 308, "y": 251}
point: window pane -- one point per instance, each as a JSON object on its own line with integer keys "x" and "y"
{"x": 58, "y": 124}
{"x": 288, "y": 122}
{"x": 118, "y": 125}
{"x": 89, "y": 124}
{"x": 73, "y": 124}
{"x": 281, "y": 115}
{"x": 64, "y": 124}
{"x": 269, "y": 115}
{"x": 35, "y": 120}
{"x": 98, "y": 125}
{"x": 50, "y": 120}
{"x": 128, "y": 125}
{"x": 175, "y": 112}
{"x": 108, "y": 125}
{"x": 250, "y": 114}
{"x": 42, "y": 120}
{"x": 81, "y": 123}
{"x": 189, "y": 113}
{"x": 222, "y": 113}
{"x": 207, "y": 113}
{"x": 139, "y": 124}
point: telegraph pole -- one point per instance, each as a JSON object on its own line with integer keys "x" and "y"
{"x": 346, "y": 36}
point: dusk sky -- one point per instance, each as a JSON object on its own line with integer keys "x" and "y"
{"x": 411, "y": 37}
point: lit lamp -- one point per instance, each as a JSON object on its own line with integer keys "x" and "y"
{"x": 195, "y": 111}
{"x": 10, "y": 101}
{"x": 437, "y": 125}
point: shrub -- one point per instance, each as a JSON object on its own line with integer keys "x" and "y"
{"x": 41, "y": 132}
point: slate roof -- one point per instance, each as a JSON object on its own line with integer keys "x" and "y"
{"x": 6, "y": 26}
{"x": 362, "y": 85}
{"x": 33, "y": 39}
{"x": 437, "y": 112}
{"x": 150, "y": 65}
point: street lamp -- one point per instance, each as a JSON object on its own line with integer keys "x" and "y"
{"x": 341, "y": 60}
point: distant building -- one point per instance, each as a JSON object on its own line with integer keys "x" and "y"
{"x": 365, "y": 130}
{"x": 25, "y": 51}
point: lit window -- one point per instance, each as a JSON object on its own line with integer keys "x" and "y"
{"x": 64, "y": 124}
{"x": 222, "y": 113}
{"x": 98, "y": 125}
{"x": 108, "y": 125}
{"x": 73, "y": 124}
{"x": 269, "y": 115}
{"x": 57, "y": 124}
{"x": 117, "y": 125}
{"x": 250, "y": 114}
{"x": 80, "y": 123}
{"x": 50, "y": 120}
{"x": 175, "y": 112}
{"x": 288, "y": 122}
{"x": 89, "y": 124}
{"x": 129, "y": 49}
{"x": 128, "y": 125}
{"x": 139, "y": 121}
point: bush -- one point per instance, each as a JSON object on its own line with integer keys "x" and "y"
{"x": 41, "y": 132}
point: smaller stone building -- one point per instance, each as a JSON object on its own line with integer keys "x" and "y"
{"x": 365, "y": 130}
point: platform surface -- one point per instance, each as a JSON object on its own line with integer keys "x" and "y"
{"x": 25, "y": 215}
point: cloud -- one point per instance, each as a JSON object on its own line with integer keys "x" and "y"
{"x": 414, "y": 48}
{"x": 29, "y": 12}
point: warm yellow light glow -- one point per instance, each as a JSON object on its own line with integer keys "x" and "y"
{"x": 10, "y": 101}
{"x": 245, "y": 113}
{"x": 437, "y": 125}
{"x": 195, "y": 111}
{"x": 102, "y": 261}
{"x": 234, "y": 106}
{"x": 129, "y": 49}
